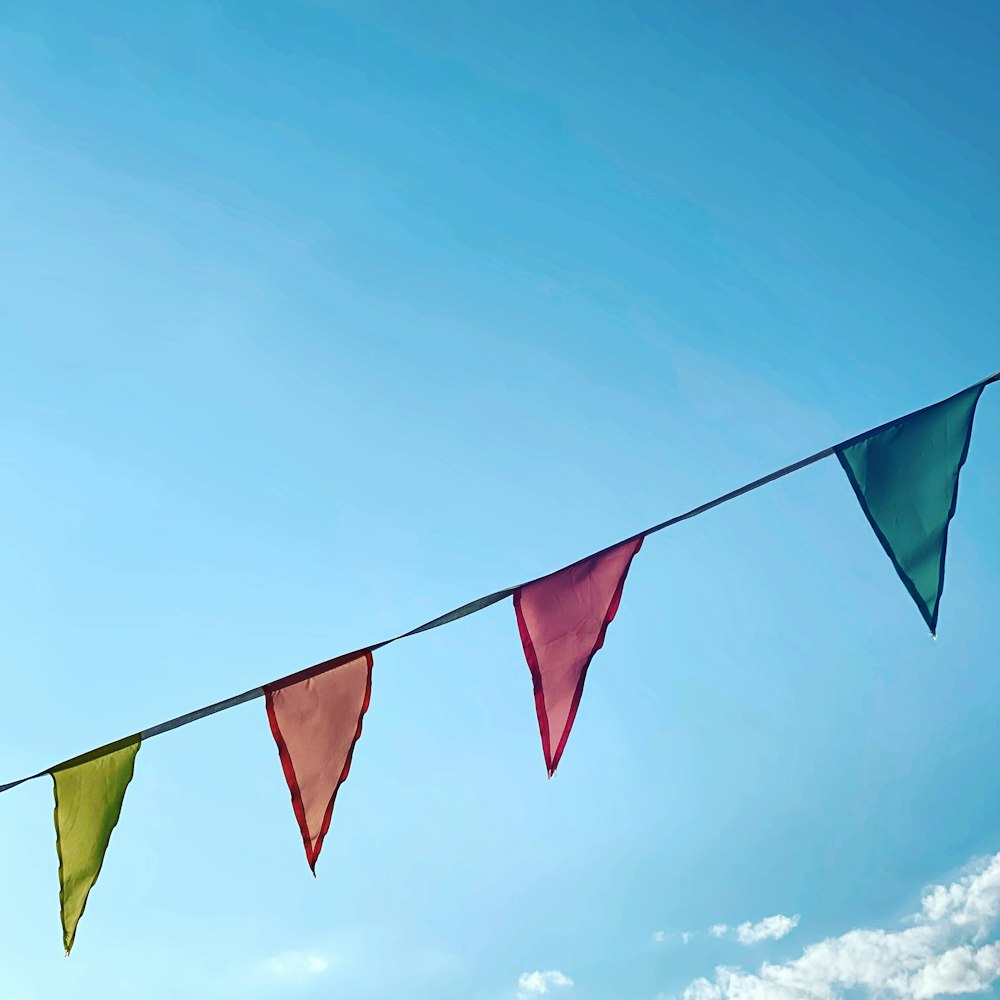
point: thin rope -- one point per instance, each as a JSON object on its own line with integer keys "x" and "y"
{"x": 480, "y": 603}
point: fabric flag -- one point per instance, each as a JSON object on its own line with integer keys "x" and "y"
{"x": 315, "y": 717}
{"x": 89, "y": 792}
{"x": 905, "y": 476}
{"x": 562, "y": 619}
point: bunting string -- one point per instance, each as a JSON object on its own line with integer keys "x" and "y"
{"x": 904, "y": 474}
{"x": 481, "y": 603}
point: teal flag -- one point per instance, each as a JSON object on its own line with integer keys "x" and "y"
{"x": 905, "y": 476}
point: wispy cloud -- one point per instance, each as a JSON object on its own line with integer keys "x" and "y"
{"x": 944, "y": 952}
{"x": 534, "y": 984}
{"x": 296, "y": 966}
{"x": 661, "y": 937}
{"x": 769, "y": 929}
{"x": 718, "y": 930}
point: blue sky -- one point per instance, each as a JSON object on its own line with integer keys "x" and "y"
{"x": 322, "y": 318}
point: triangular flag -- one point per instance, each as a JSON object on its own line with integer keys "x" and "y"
{"x": 89, "y": 792}
{"x": 562, "y": 619}
{"x": 906, "y": 477}
{"x": 316, "y": 716}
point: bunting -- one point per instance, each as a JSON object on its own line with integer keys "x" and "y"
{"x": 89, "y": 792}
{"x": 905, "y": 476}
{"x": 904, "y": 473}
{"x": 315, "y": 718}
{"x": 563, "y": 619}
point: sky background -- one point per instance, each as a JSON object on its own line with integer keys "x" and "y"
{"x": 319, "y": 319}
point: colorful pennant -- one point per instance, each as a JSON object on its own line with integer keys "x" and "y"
{"x": 905, "y": 476}
{"x": 562, "y": 619}
{"x": 315, "y": 718}
{"x": 89, "y": 792}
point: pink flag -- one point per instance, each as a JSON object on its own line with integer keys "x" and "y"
{"x": 315, "y": 718}
{"x": 562, "y": 619}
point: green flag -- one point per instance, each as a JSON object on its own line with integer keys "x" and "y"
{"x": 905, "y": 475}
{"x": 89, "y": 792}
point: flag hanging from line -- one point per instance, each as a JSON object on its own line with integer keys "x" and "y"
{"x": 89, "y": 792}
{"x": 316, "y": 718}
{"x": 562, "y": 619}
{"x": 905, "y": 476}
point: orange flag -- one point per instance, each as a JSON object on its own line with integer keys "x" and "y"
{"x": 315, "y": 717}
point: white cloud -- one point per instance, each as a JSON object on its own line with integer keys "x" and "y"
{"x": 661, "y": 937}
{"x": 971, "y": 902}
{"x": 534, "y": 984}
{"x": 297, "y": 966}
{"x": 718, "y": 930}
{"x": 942, "y": 954}
{"x": 769, "y": 929}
